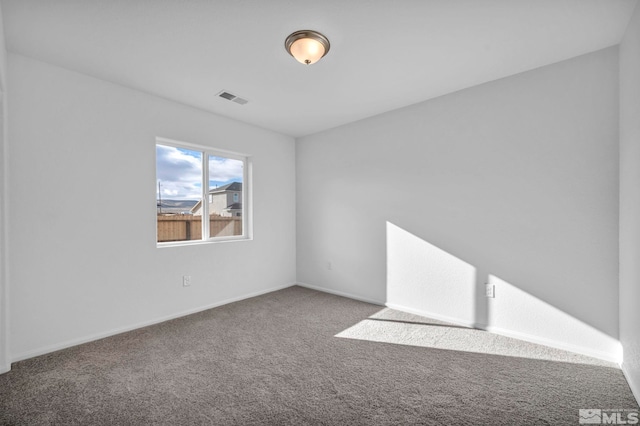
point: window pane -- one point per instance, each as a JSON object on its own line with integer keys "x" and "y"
{"x": 179, "y": 193}
{"x": 225, "y": 196}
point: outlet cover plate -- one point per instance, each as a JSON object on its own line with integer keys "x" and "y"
{"x": 490, "y": 291}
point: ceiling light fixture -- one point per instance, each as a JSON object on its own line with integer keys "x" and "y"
{"x": 307, "y": 46}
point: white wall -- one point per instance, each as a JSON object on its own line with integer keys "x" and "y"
{"x": 513, "y": 182}
{"x": 5, "y": 364}
{"x": 84, "y": 263}
{"x": 630, "y": 202}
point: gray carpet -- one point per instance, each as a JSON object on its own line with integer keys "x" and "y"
{"x": 276, "y": 359}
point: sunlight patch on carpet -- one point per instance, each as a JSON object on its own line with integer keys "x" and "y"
{"x": 401, "y": 328}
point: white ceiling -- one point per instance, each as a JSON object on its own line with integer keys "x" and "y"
{"x": 384, "y": 54}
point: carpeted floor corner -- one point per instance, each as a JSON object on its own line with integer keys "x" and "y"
{"x": 301, "y": 357}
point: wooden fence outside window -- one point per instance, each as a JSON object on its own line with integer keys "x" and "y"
{"x": 178, "y": 227}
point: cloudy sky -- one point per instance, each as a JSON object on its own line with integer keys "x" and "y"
{"x": 179, "y": 172}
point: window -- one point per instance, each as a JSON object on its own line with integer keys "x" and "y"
{"x": 195, "y": 183}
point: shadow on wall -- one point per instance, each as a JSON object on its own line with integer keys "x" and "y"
{"x": 426, "y": 280}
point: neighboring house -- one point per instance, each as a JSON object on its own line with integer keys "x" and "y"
{"x": 224, "y": 201}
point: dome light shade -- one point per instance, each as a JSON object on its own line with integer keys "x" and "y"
{"x": 307, "y": 46}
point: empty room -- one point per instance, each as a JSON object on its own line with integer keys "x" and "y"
{"x": 419, "y": 212}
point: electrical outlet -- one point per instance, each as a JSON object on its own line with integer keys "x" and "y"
{"x": 490, "y": 291}
{"x": 186, "y": 280}
{"x": 329, "y": 266}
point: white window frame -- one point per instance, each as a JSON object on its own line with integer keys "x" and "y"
{"x": 247, "y": 221}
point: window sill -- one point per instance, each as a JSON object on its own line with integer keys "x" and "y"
{"x": 201, "y": 242}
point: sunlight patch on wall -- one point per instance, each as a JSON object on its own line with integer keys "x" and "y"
{"x": 421, "y": 276}
{"x": 517, "y": 313}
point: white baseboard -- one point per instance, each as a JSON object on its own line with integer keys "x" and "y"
{"x": 74, "y": 342}
{"x": 517, "y": 335}
{"x": 341, "y": 293}
{"x": 605, "y": 356}
{"x": 452, "y": 320}
{"x": 635, "y": 386}
{"x": 594, "y": 353}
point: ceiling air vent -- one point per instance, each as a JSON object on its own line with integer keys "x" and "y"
{"x": 231, "y": 97}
